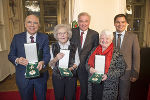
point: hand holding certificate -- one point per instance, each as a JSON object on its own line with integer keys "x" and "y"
{"x": 32, "y": 57}
{"x": 100, "y": 69}
{"x": 63, "y": 64}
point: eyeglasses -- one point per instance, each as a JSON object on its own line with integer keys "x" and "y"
{"x": 64, "y": 33}
{"x": 30, "y": 22}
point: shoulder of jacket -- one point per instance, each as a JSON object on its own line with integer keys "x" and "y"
{"x": 131, "y": 33}
{"x": 42, "y": 34}
{"x": 75, "y": 29}
{"x": 20, "y": 34}
{"x": 93, "y": 31}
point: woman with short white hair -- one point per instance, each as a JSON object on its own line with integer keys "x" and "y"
{"x": 64, "y": 87}
{"x": 114, "y": 68}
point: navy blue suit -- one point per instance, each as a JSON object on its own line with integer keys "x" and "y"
{"x": 27, "y": 86}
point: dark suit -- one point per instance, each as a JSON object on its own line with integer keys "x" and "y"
{"x": 131, "y": 53}
{"x": 27, "y": 86}
{"x": 91, "y": 41}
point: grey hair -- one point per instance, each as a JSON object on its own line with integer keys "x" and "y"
{"x": 84, "y": 14}
{"x": 33, "y": 15}
{"x": 65, "y": 26}
{"x": 107, "y": 33}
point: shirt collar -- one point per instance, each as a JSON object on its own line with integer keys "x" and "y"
{"x": 123, "y": 33}
{"x": 28, "y": 35}
{"x": 66, "y": 44}
{"x": 83, "y": 31}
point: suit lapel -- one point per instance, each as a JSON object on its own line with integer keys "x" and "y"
{"x": 38, "y": 40}
{"x": 86, "y": 39}
{"x": 24, "y": 37}
{"x": 124, "y": 41}
{"x": 114, "y": 40}
{"x": 78, "y": 40}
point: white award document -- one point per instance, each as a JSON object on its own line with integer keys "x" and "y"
{"x": 63, "y": 63}
{"x": 100, "y": 64}
{"x": 31, "y": 52}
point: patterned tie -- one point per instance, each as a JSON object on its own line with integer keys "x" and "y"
{"x": 118, "y": 41}
{"x": 32, "y": 39}
{"x": 81, "y": 37}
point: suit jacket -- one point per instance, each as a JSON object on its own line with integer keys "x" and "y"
{"x": 17, "y": 50}
{"x": 131, "y": 53}
{"x": 91, "y": 41}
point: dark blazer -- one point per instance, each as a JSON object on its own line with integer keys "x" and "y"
{"x": 92, "y": 40}
{"x": 131, "y": 53}
{"x": 17, "y": 50}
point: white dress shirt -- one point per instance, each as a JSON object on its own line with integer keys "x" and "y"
{"x": 122, "y": 36}
{"x": 28, "y": 37}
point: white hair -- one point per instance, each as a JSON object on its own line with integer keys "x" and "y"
{"x": 107, "y": 33}
{"x": 64, "y": 26}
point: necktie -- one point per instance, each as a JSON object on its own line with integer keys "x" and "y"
{"x": 118, "y": 41}
{"x": 81, "y": 37}
{"x": 32, "y": 39}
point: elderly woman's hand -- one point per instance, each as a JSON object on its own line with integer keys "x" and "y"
{"x": 104, "y": 77}
{"x": 92, "y": 70}
{"x": 59, "y": 56}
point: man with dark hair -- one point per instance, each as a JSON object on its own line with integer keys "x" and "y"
{"x": 127, "y": 43}
{"x": 17, "y": 56}
{"x": 121, "y": 15}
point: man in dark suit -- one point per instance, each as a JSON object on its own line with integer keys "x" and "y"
{"x": 85, "y": 39}
{"x": 18, "y": 58}
{"x": 128, "y": 45}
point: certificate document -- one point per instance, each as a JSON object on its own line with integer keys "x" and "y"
{"x": 100, "y": 68}
{"x": 100, "y": 64}
{"x": 31, "y": 52}
{"x": 32, "y": 57}
{"x": 63, "y": 63}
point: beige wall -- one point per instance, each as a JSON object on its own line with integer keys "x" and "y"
{"x": 102, "y": 12}
{"x": 11, "y": 22}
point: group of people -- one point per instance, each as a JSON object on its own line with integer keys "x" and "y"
{"x": 120, "y": 48}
